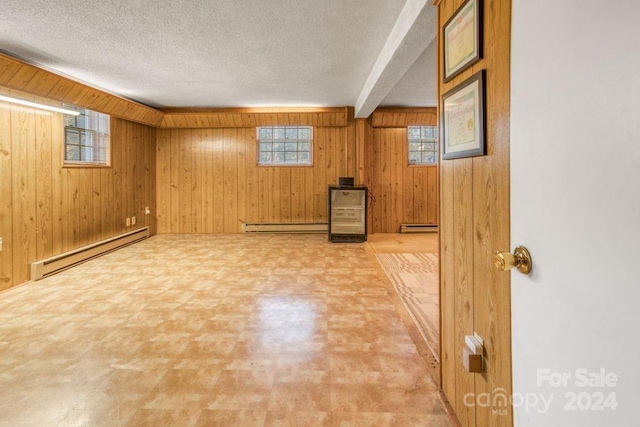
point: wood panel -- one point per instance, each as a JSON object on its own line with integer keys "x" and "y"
{"x": 44, "y": 200}
{"x": 21, "y": 76}
{"x": 403, "y": 117}
{"x": 252, "y": 117}
{"x": 474, "y": 214}
{"x": 6, "y": 206}
{"x": 351, "y": 159}
{"x": 230, "y": 181}
{"x": 463, "y": 278}
{"x": 235, "y": 190}
{"x": 383, "y": 191}
{"x": 23, "y": 182}
{"x": 491, "y": 199}
{"x": 401, "y": 194}
{"x": 47, "y": 209}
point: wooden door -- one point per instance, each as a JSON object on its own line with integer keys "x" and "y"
{"x": 474, "y": 213}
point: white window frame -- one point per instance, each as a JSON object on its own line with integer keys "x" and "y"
{"x": 428, "y": 138}
{"x": 90, "y": 132}
{"x": 284, "y": 145}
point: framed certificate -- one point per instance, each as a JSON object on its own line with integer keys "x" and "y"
{"x": 462, "y": 39}
{"x": 463, "y": 119}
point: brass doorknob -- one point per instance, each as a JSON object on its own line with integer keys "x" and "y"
{"x": 520, "y": 259}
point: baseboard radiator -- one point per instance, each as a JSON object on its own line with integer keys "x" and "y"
{"x": 418, "y": 228}
{"x": 286, "y": 227}
{"x": 54, "y": 264}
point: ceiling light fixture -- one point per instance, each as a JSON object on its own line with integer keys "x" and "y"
{"x": 41, "y": 106}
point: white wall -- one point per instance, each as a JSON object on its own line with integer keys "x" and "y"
{"x": 418, "y": 86}
{"x": 575, "y": 165}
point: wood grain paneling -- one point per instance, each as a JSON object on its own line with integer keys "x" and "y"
{"x": 403, "y": 117}
{"x": 208, "y": 180}
{"x": 252, "y": 117}
{"x": 23, "y": 186}
{"x": 47, "y": 209}
{"x": 401, "y": 194}
{"x": 6, "y": 205}
{"x": 474, "y": 214}
{"x": 27, "y": 78}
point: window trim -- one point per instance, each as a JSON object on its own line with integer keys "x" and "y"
{"x": 289, "y": 165}
{"x": 437, "y": 148}
{"x": 86, "y": 164}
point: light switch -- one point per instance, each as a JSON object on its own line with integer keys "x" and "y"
{"x": 472, "y": 359}
{"x": 0, "y": 244}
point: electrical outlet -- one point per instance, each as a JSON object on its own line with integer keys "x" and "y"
{"x": 133, "y": 220}
{"x": 128, "y": 222}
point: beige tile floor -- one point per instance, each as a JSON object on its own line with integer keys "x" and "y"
{"x": 409, "y": 263}
{"x": 193, "y": 330}
{"x": 415, "y": 279}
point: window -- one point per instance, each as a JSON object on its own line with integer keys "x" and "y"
{"x": 86, "y": 137}
{"x": 423, "y": 145}
{"x": 285, "y": 145}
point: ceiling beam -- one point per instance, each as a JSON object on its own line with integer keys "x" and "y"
{"x": 415, "y": 29}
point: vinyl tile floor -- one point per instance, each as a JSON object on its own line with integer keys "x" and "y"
{"x": 409, "y": 263}
{"x": 213, "y": 330}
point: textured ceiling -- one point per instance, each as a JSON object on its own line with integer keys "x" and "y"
{"x": 217, "y": 53}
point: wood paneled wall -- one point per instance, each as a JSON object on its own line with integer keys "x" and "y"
{"x": 209, "y": 181}
{"x": 252, "y": 117}
{"x": 403, "y": 117}
{"x": 474, "y": 214}
{"x": 47, "y": 209}
{"x": 18, "y": 75}
{"x": 401, "y": 194}
{"x": 207, "y": 176}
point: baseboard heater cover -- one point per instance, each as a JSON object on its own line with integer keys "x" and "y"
{"x": 418, "y": 228}
{"x": 54, "y": 264}
{"x": 286, "y": 227}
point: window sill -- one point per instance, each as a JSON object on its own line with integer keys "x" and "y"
{"x": 84, "y": 165}
{"x": 415, "y": 165}
{"x": 286, "y": 165}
